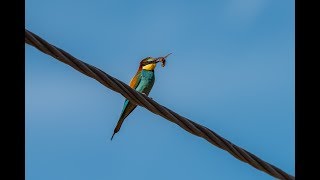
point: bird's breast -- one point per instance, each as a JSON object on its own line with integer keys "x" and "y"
{"x": 147, "y": 75}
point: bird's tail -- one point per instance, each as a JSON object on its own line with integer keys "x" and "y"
{"x": 113, "y": 135}
{"x": 127, "y": 109}
{"x": 117, "y": 128}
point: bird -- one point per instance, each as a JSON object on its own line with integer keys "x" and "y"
{"x": 142, "y": 82}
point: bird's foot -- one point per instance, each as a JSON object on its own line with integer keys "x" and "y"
{"x": 147, "y": 95}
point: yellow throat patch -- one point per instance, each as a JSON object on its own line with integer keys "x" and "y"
{"x": 149, "y": 67}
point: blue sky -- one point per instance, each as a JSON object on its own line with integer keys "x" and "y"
{"x": 232, "y": 70}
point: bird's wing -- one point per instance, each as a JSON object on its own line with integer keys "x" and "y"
{"x": 135, "y": 80}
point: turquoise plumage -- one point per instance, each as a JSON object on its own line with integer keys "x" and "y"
{"x": 142, "y": 82}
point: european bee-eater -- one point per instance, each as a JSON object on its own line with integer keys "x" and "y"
{"x": 141, "y": 82}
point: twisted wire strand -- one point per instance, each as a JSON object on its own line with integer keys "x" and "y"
{"x": 144, "y": 101}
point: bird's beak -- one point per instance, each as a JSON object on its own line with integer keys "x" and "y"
{"x": 167, "y": 55}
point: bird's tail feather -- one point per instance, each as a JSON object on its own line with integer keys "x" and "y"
{"x": 127, "y": 109}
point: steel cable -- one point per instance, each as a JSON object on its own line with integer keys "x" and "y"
{"x": 144, "y": 101}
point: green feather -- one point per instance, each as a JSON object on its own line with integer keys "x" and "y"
{"x": 144, "y": 84}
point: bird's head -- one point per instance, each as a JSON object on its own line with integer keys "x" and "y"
{"x": 149, "y": 63}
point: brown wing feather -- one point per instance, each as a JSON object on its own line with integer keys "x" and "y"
{"x": 135, "y": 80}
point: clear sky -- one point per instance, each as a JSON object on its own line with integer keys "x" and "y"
{"x": 232, "y": 70}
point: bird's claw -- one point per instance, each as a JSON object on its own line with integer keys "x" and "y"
{"x": 147, "y": 95}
